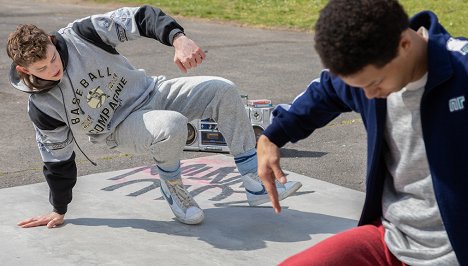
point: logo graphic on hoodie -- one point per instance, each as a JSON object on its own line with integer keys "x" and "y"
{"x": 96, "y": 98}
{"x": 105, "y": 89}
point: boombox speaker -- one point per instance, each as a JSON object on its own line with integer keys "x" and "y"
{"x": 203, "y": 135}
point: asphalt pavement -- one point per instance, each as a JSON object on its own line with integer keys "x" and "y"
{"x": 264, "y": 63}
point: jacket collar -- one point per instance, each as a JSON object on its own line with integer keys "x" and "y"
{"x": 440, "y": 67}
{"x": 62, "y": 49}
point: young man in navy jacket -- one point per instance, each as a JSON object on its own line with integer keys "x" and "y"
{"x": 408, "y": 80}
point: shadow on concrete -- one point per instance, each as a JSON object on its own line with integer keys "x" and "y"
{"x": 236, "y": 228}
{"x": 293, "y": 153}
{"x": 244, "y": 202}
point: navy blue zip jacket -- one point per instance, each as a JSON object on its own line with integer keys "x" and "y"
{"x": 444, "y": 118}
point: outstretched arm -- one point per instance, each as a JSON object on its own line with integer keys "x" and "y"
{"x": 124, "y": 24}
{"x": 55, "y": 143}
{"x": 315, "y": 107}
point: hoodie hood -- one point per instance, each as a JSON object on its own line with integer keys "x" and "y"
{"x": 43, "y": 85}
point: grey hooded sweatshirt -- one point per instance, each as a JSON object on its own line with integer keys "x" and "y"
{"x": 98, "y": 90}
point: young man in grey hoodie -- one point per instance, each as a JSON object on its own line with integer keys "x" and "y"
{"x": 80, "y": 84}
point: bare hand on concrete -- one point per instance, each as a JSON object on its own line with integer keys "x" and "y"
{"x": 52, "y": 220}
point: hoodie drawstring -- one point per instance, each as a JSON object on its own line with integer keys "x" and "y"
{"x": 68, "y": 124}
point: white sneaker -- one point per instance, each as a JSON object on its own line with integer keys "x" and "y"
{"x": 257, "y": 194}
{"x": 182, "y": 204}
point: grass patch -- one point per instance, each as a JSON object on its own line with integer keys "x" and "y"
{"x": 295, "y": 14}
{"x": 453, "y": 14}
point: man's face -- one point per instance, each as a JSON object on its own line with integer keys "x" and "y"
{"x": 381, "y": 82}
{"x": 50, "y": 68}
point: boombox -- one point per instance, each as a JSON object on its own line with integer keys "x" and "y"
{"x": 203, "y": 135}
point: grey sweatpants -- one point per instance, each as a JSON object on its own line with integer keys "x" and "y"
{"x": 160, "y": 126}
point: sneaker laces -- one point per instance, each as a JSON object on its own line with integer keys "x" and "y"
{"x": 177, "y": 188}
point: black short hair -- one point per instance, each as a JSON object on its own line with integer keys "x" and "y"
{"x": 350, "y": 35}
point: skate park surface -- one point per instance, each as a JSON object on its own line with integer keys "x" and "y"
{"x": 121, "y": 218}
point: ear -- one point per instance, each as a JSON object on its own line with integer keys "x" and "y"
{"x": 22, "y": 70}
{"x": 405, "y": 41}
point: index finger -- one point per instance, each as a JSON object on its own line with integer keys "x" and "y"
{"x": 273, "y": 195}
{"x": 23, "y": 222}
{"x": 34, "y": 223}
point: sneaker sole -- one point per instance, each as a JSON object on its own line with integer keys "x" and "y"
{"x": 281, "y": 197}
{"x": 191, "y": 221}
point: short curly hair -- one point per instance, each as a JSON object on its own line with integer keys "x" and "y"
{"x": 27, "y": 45}
{"x": 350, "y": 35}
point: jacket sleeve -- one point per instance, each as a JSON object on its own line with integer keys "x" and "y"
{"x": 127, "y": 23}
{"x": 55, "y": 142}
{"x": 324, "y": 99}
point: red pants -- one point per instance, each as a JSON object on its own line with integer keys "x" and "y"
{"x": 360, "y": 246}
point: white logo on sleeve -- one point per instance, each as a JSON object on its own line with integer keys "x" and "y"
{"x": 457, "y": 104}
{"x": 460, "y": 46}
